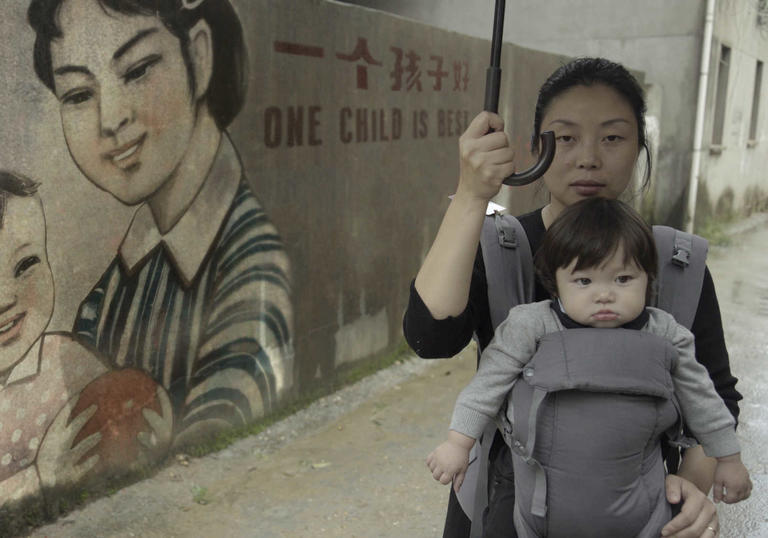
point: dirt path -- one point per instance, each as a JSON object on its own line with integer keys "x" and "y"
{"x": 351, "y": 465}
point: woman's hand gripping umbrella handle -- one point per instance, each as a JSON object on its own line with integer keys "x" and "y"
{"x": 492, "y": 84}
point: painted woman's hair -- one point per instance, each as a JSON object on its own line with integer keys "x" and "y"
{"x": 13, "y": 184}
{"x": 590, "y": 231}
{"x": 229, "y": 81}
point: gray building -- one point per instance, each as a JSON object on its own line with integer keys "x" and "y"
{"x": 664, "y": 40}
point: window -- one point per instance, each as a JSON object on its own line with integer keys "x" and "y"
{"x": 756, "y": 102}
{"x": 721, "y": 92}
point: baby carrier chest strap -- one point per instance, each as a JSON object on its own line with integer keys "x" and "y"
{"x": 625, "y": 360}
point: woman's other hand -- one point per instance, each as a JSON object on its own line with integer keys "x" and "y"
{"x": 697, "y": 517}
{"x": 486, "y": 157}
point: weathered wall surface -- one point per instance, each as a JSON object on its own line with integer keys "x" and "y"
{"x": 733, "y": 177}
{"x": 206, "y": 272}
{"x": 663, "y": 40}
{"x": 660, "y": 39}
{"x": 359, "y": 199}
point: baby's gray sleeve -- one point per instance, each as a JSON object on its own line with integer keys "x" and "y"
{"x": 512, "y": 346}
{"x": 704, "y": 411}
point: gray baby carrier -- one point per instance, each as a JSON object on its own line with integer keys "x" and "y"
{"x": 589, "y": 412}
{"x": 509, "y": 271}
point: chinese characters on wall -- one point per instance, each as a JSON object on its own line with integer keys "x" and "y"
{"x": 407, "y": 71}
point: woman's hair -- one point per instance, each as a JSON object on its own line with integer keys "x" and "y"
{"x": 588, "y": 72}
{"x": 590, "y": 231}
{"x": 228, "y": 84}
{"x": 13, "y": 184}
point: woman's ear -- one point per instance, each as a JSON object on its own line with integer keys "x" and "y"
{"x": 201, "y": 56}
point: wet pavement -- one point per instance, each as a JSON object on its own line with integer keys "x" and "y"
{"x": 352, "y": 465}
{"x": 740, "y": 272}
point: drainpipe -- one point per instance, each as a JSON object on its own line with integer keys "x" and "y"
{"x": 701, "y": 102}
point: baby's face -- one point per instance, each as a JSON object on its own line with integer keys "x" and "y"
{"x": 606, "y": 296}
{"x": 26, "y": 282}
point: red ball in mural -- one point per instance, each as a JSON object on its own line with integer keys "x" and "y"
{"x": 120, "y": 397}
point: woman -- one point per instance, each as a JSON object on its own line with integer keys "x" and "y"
{"x": 198, "y": 295}
{"x": 596, "y": 109}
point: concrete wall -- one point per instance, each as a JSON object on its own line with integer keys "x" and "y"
{"x": 662, "y": 39}
{"x": 348, "y": 138}
{"x": 733, "y": 175}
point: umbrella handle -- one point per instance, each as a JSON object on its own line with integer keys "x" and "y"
{"x": 492, "y": 85}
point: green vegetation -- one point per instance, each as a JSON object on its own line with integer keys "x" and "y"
{"x": 200, "y": 495}
{"x": 714, "y": 231}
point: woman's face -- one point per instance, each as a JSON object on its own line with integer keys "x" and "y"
{"x": 597, "y": 145}
{"x": 123, "y": 91}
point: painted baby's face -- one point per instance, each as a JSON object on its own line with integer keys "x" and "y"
{"x": 26, "y": 282}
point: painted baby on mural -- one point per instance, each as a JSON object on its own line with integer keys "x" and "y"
{"x": 44, "y": 377}
{"x": 198, "y": 294}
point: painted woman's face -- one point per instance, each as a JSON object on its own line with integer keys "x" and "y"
{"x": 124, "y": 97}
{"x": 26, "y": 283}
{"x": 597, "y": 146}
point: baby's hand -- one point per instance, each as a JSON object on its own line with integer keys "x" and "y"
{"x": 450, "y": 459}
{"x": 157, "y": 442}
{"x": 58, "y": 461}
{"x": 732, "y": 483}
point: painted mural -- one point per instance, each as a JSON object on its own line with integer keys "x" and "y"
{"x": 189, "y": 329}
{"x": 209, "y": 208}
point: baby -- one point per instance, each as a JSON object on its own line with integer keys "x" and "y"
{"x": 598, "y": 260}
{"x": 41, "y": 374}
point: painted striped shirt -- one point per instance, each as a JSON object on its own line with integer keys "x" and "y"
{"x": 211, "y": 325}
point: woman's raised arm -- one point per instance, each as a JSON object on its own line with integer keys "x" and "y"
{"x": 485, "y": 160}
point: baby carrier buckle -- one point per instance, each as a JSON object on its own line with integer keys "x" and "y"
{"x": 506, "y": 232}
{"x": 518, "y": 448}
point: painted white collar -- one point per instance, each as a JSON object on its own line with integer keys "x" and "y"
{"x": 29, "y": 365}
{"x": 190, "y": 239}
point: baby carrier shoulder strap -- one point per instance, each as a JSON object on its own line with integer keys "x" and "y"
{"x": 508, "y": 265}
{"x": 510, "y": 278}
{"x": 682, "y": 260}
{"x": 509, "y": 268}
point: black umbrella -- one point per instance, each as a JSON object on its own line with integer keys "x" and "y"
{"x": 492, "y": 83}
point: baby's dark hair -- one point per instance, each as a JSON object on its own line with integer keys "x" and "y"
{"x": 589, "y": 232}
{"x": 228, "y": 84}
{"x": 14, "y": 184}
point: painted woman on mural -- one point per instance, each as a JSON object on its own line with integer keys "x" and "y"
{"x": 198, "y": 293}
